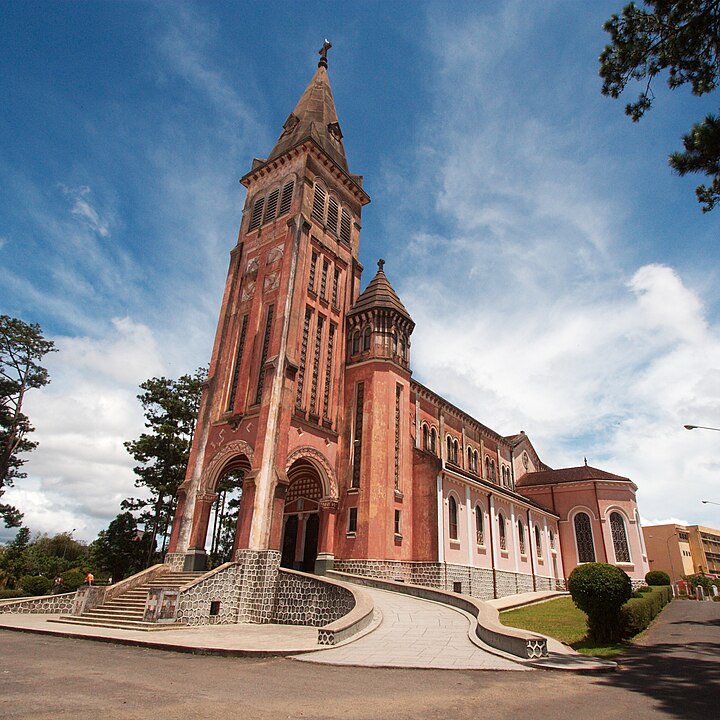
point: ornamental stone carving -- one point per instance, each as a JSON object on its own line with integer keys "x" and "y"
{"x": 327, "y": 474}
{"x": 220, "y": 460}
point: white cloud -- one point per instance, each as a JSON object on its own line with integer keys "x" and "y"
{"x": 84, "y": 211}
{"x": 80, "y": 472}
{"x": 531, "y": 311}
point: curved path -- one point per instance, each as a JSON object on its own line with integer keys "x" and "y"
{"x": 414, "y": 633}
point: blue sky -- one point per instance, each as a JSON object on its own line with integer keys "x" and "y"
{"x": 562, "y": 279}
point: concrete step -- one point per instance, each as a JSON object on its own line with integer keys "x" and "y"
{"x": 119, "y": 624}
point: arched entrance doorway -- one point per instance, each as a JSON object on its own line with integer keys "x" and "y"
{"x": 301, "y": 523}
{"x": 223, "y": 525}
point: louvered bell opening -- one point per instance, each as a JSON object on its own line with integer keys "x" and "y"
{"x": 318, "y": 211}
{"x": 256, "y": 214}
{"x": 271, "y": 205}
{"x": 332, "y": 216}
{"x": 345, "y": 227}
{"x": 286, "y": 199}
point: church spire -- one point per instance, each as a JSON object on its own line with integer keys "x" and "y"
{"x": 314, "y": 118}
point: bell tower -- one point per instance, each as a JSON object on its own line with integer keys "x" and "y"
{"x": 272, "y": 406}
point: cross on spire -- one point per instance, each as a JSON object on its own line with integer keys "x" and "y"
{"x": 323, "y": 53}
{"x": 381, "y": 262}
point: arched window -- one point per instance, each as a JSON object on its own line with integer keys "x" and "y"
{"x": 479, "y": 525}
{"x": 425, "y": 437}
{"x": 501, "y": 531}
{"x": 469, "y": 458}
{"x": 455, "y": 448}
{"x": 538, "y": 544}
{"x": 433, "y": 441}
{"x": 492, "y": 471}
{"x": 619, "y": 538}
{"x": 584, "y": 538}
{"x": 355, "y": 342}
{"x": 394, "y": 343}
{"x": 487, "y": 467}
{"x": 453, "y": 518}
{"x": 552, "y": 540}
{"x": 521, "y": 537}
{"x": 449, "y": 448}
{"x": 366, "y": 338}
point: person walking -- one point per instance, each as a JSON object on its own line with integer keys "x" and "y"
{"x": 89, "y": 578}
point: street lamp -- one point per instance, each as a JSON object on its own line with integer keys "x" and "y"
{"x": 700, "y": 427}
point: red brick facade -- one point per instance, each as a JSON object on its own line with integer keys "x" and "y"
{"x": 346, "y": 459}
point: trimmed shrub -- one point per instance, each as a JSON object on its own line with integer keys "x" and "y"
{"x": 644, "y": 589}
{"x": 638, "y": 613}
{"x": 11, "y": 594}
{"x": 33, "y": 585}
{"x": 600, "y": 590}
{"x": 73, "y": 579}
{"x": 657, "y": 577}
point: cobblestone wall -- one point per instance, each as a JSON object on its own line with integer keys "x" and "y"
{"x": 47, "y": 604}
{"x": 309, "y": 601}
{"x": 474, "y": 581}
{"x": 194, "y": 605}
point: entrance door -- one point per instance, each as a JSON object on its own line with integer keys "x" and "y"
{"x": 287, "y": 559}
{"x": 312, "y": 528}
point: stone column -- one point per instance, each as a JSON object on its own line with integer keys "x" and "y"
{"x": 245, "y": 514}
{"x": 258, "y": 579}
{"x": 326, "y": 542}
{"x": 196, "y": 557}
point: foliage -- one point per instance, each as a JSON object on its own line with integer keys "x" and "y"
{"x": 600, "y": 590}
{"x": 227, "y": 506}
{"x": 171, "y": 408}
{"x": 72, "y": 579}
{"x": 11, "y": 594}
{"x": 122, "y": 549}
{"x": 47, "y": 556}
{"x": 702, "y": 581}
{"x": 681, "y": 37}
{"x": 34, "y": 585}
{"x": 657, "y": 577}
{"x": 637, "y": 614}
{"x": 644, "y": 589}
{"x": 22, "y": 347}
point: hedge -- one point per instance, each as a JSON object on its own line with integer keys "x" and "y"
{"x": 638, "y": 613}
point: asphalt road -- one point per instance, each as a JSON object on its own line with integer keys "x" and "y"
{"x": 674, "y": 673}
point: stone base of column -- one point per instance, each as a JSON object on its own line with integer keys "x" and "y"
{"x": 324, "y": 562}
{"x": 189, "y": 561}
{"x": 258, "y": 579}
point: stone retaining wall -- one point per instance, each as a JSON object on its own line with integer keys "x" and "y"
{"x": 474, "y": 581}
{"x": 45, "y": 604}
{"x": 303, "y": 600}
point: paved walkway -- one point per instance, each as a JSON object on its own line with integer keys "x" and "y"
{"x": 414, "y": 633}
{"x": 244, "y": 639}
{"x": 675, "y": 665}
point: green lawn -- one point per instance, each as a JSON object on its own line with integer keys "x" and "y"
{"x": 559, "y": 619}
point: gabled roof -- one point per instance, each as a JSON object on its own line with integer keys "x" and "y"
{"x": 567, "y": 475}
{"x": 314, "y": 118}
{"x": 379, "y": 294}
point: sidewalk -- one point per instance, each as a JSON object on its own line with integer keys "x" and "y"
{"x": 675, "y": 665}
{"x": 407, "y": 632}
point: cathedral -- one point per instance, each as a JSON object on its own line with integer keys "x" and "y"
{"x": 348, "y": 462}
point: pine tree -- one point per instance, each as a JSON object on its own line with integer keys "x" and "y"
{"x": 681, "y": 37}
{"x": 171, "y": 408}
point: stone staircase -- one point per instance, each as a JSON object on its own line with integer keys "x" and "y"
{"x": 127, "y": 610}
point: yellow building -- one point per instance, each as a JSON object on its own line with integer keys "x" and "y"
{"x": 683, "y": 549}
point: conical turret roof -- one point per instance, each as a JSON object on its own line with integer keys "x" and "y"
{"x": 379, "y": 294}
{"x": 314, "y": 118}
